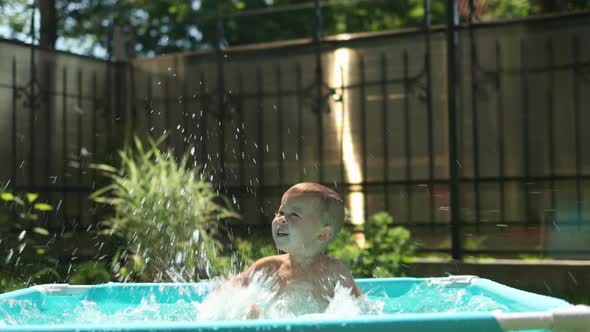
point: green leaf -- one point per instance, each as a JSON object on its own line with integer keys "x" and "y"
{"x": 104, "y": 168}
{"x": 31, "y": 197}
{"x": 28, "y": 216}
{"x": 100, "y": 192}
{"x": 6, "y": 196}
{"x": 43, "y": 207}
{"x": 41, "y": 230}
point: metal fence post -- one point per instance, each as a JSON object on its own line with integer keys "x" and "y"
{"x": 220, "y": 94}
{"x": 119, "y": 115}
{"x": 319, "y": 103}
{"x": 475, "y": 90}
{"x": 457, "y": 250}
{"x": 429, "y": 104}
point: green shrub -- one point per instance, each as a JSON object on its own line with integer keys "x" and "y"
{"x": 9, "y": 283}
{"x": 90, "y": 273}
{"x": 386, "y": 248}
{"x": 247, "y": 251}
{"x": 23, "y": 240}
{"x": 167, "y": 212}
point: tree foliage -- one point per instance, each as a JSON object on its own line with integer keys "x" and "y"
{"x": 166, "y": 26}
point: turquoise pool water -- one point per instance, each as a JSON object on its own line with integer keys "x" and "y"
{"x": 445, "y": 304}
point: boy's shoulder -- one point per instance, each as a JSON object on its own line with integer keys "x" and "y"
{"x": 335, "y": 265}
{"x": 264, "y": 265}
{"x": 270, "y": 261}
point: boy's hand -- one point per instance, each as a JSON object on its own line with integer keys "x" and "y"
{"x": 254, "y": 312}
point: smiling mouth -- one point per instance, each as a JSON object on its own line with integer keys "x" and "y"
{"x": 282, "y": 234}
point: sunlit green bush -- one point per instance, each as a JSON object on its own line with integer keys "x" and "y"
{"x": 90, "y": 273}
{"x": 24, "y": 242}
{"x": 385, "y": 249}
{"x": 168, "y": 213}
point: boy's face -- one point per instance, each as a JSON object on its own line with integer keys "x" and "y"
{"x": 297, "y": 226}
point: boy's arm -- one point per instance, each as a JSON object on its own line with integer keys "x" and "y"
{"x": 244, "y": 278}
{"x": 347, "y": 280}
{"x": 351, "y": 284}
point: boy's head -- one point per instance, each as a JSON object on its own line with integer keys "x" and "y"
{"x": 309, "y": 217}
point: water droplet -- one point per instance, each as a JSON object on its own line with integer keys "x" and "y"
{"x": 9, "y": 256}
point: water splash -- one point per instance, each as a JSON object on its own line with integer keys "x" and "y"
{"x": 208, "y": 301}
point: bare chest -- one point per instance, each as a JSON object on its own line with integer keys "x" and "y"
{"x": 312, "y": 282}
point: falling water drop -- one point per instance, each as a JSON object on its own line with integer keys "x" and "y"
{"x": 9, "y": 256}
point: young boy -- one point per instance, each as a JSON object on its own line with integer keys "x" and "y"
{"x": 309, "y": 217}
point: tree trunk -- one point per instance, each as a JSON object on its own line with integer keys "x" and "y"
{"x": 48, "y": 34}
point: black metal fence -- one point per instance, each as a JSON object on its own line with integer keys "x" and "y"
{"x": 59, "y": 113}
{"x": 365, "y": 114}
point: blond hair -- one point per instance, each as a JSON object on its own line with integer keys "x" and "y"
{"x": 331, "y": 204}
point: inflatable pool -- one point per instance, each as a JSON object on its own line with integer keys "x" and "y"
{"x": 457, "y": 303}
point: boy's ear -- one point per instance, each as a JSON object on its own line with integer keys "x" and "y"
{"x": 326, "y": 233}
